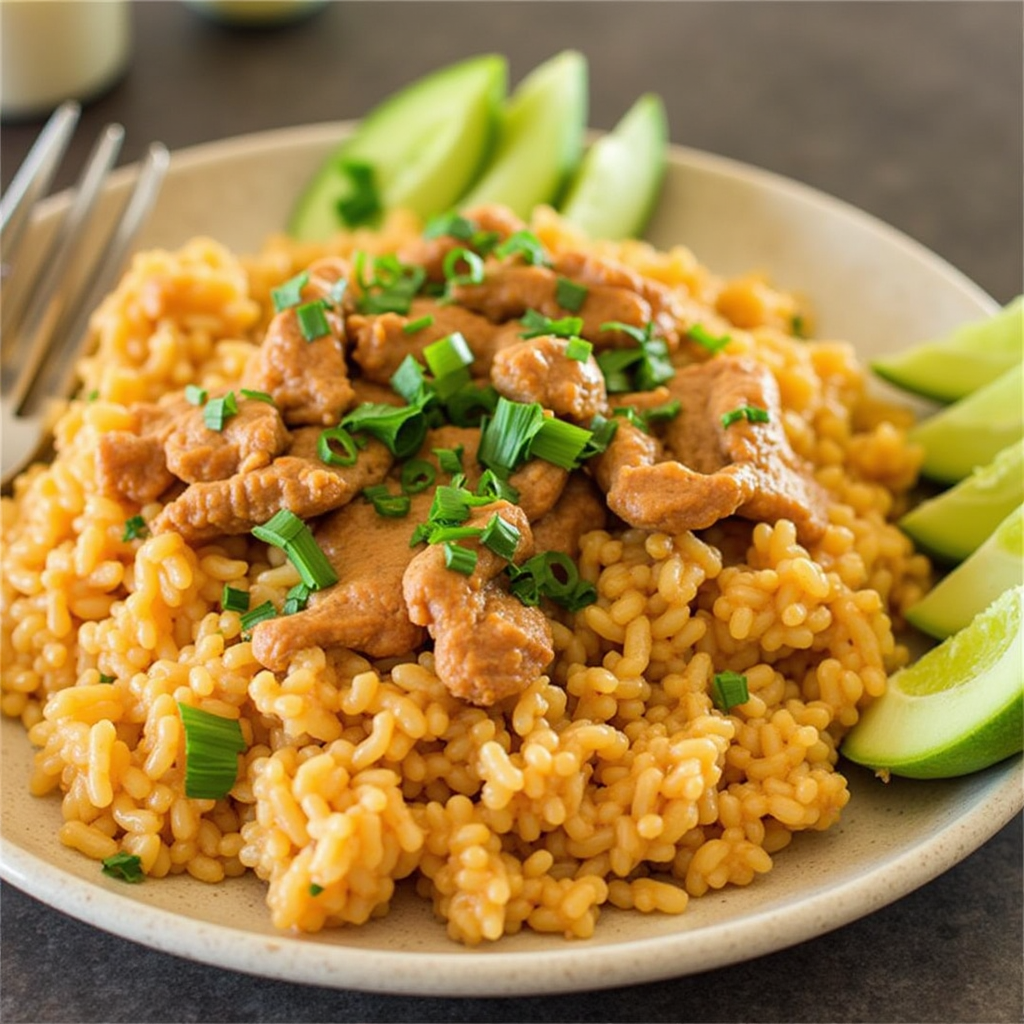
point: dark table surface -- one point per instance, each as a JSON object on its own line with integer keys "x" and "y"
{"x": 912, "y": 111}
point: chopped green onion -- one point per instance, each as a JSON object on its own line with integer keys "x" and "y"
{"x": 444, "y": 534}
{"x": 124, "y": 866}
{"x": 212, "y": 746}
{"x": 295, "y": 600}
{"x": 257, "y": 396}
{"x": 751, "y": 413}
{"x": 337, "y": 292}
{"x": 314, "y": 889}
{"x": 501, "y": 537}
{"x": 218, "y": 411}
{"x": 417, "y": 475}
{"x": 409, "y": 380}
{"x": 583, "y": 593}
{"x": 391, "y": 506}
{"x": 452, "y": 223}
{"x": 505, "y": 439}
{"x": 468, "y": 406}
{"x": 700, "y": 334}
{"x": 312, "y": 320}
{"x": 526, "y": 244}
{"x": 412, "y": 326}
{"x": 451, "y": 505}
{"x": 798, "y": 326}
{"x": 578, "y": 349}
{"x": 329, "y": 454}
{"x": 537, "y": 324}
{"x": 290, "y": 293}
{"x": 287, "y": 531}
{"x": 449, "y": 459}
{"x": 260, "y": 613}
{"x": 363, "y": 204}
{"x": 134, "y": 528}
{"x": 94, "y": 394}
{"x": 550, "y": 574}
{"x": 614, "y": 364}
{"x": 729, "y": 689}
{"x": 559, "y": 442}
{"x": 234, "y": 600}
{"x": 491, "y": 485}
{"x": 449, "y": 359}
{"x": 195, "y": 395}
{"x": 402, "y": 428}
{"x": 602, "y": 431}
{"x": 650, "y": 358}
{"x": 459, "y": 559}
{"x": 657, "y": 414}
{"x": 104, "y": 678}
{"x": 391, "y": 288}
{"x": 570, "y": 294}
{"x": 473, "y": 275}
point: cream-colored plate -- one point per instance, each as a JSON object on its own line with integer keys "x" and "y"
{"x": 870, "y": 285}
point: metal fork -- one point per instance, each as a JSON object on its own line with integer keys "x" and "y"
{"x": 45, "y": 307}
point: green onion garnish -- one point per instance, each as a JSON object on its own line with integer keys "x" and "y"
{"x": 526, "y": 244}
{"x": 459, "y": 559}
{"x": 474, "y": 273}
{"x": 453, "y": 224}
{"x": 798, "y": 326}
{"x": 104, "y": 678}
{"x": 314, "y": 889}
{"x": 212, "y": 746}
{"x": 257, "y": 396}
{"x": 578, "y": 349}
{"x": 449, "y": 459}
{"x": 751, "y": 413}
{"x": 287, "y": 531}
{"x": 649, "y": 360}
{"x": 363, "y": 204}
{"x": 491, "y": 485}
{"x": 570, "y": 294}
{"x": 134, "y": 528}
{"x": 290, "y": 293}
{"x": 468, "y": 406}
{"x": 195, "y": 395}
{"x": 417, "y": 475}
{"x": 392, "y": 286}
{"x": 312, "y": 320}
{"x": 260, "y": 613}
{"x": 412, "y": 326}
{"x": 295, "y": 600}
{"x": 124, "y": 866}
{"x": 505, "y": 438}
{"x": 551, "y": 574}
{"x": 501, "y": 537}
{"x": 94, "y": 394}
{"x": 729, "y": 689}
{"x": 234, "y": 600}
{"x": 218, "y": 411}
{"x": 328, "y": 452}
{"x": 602, "y": 431}
{"x": 392, "y": 506}
{"x": 402, "y": 428}
{"x": 449, "y": 360}
{"x": 700, "y": 334}
{"x": 559, "y": 442}
{"x": 536, "y": 324}
{"x": 409, "y": 380}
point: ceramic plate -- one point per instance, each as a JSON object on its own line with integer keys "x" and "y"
{"x": 869, "y": 285}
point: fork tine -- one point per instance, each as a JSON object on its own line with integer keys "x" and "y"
{"x": 57, "y": 375}
{"x": 28, "y": 330}
{"x": 34, "y": 176}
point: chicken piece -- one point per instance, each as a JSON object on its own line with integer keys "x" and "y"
{"x": 538, "y": 370}
{"x": 487, "y": 644}
{"x": 365, "y": 609}
{"x": 297, "y": 480}
{"x": 308, "y": 380}
{"x": 580, "y": 507}
{"x": 744, "y": 468}
{"x": 250, "y": 440}
{"x": 132, "y": 466}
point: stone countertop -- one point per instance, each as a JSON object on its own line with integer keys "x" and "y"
{"x": 911, "y": 111}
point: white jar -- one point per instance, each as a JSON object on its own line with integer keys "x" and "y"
{"x": 55, "y": 50}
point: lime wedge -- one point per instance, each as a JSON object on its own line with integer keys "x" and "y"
{"x": 957, "y": 709}
{"x": 957, "y": 521}
{"x": 996, "y": 566}
{"x": 614, "y": 192}
{"x": 973, "y": 430}
{"x": 962, "y": 361}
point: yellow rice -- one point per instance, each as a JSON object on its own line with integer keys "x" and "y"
{"x": 613, "y": 781}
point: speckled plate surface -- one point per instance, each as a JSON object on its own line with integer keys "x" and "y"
{"x": 870, "y": 285}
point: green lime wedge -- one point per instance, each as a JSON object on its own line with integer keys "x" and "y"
{"x": 962, "y": 361}
{"x": 957, "y": 709}
{"x": 956, "y": 522}
{"x": 973, "y": 430}
{"x": 615, "y": 190}
{"x": 997, "y": 565}
{"x": 540, "y": 141}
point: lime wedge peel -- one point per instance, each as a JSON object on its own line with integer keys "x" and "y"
{"x": 957, "y": 709}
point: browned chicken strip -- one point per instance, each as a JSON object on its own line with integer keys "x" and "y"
{"x": 487, "y": 644}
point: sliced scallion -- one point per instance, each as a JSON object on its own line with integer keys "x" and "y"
{"x": 459, "y": 559}
{"x": 491, "y": 485}
{"x": 452, "y": 223}
{"x": 570, "y": 294}
{"x": 402, "y": 428}
{"x": 218, "y": 411}
{"x": 362, "y": 205}
{"x": 391, "y": 506}
{"x": 195, "y": 395}
{"x": 312, "y": 320}
{"x": 287, "y": 531}
{"x": 474, "y": 272}
{"x": 134, "y": 528}
{"x": 289, "y": 293}
{"x": 449, "y": 459}
{"x": 417, "y": 475}
{"x": 412, "y": 326}
{"x": 559, "y": 442}
{"x": 536, "y": 324}
{"x": 750, "y": 413}
{"x": 468, "y": 406}
{"x": 212, "y": 746}
{"x": 578, "y": 350}
{"x": 713, "y": 343}
{"x": 127, "y": 867}
{"x": 234, "y": 600}
{"x": 501, "y": 537}
{"x": 330, "y": 441}
{"x": 526, "y": 244}
{"x": 729, "y": 689}
{"x": 257, "y": 396}
{"x": 505, "y": 439}
{"x": 261, "y": 613}
{"x": 295, "y": 600}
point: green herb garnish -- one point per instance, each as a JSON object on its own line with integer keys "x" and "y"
{"x": 212, "y": 746}
{"x": 729, "y": 689}
{"x": 287, "y": 531}
{"x": 750, "y": 413}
